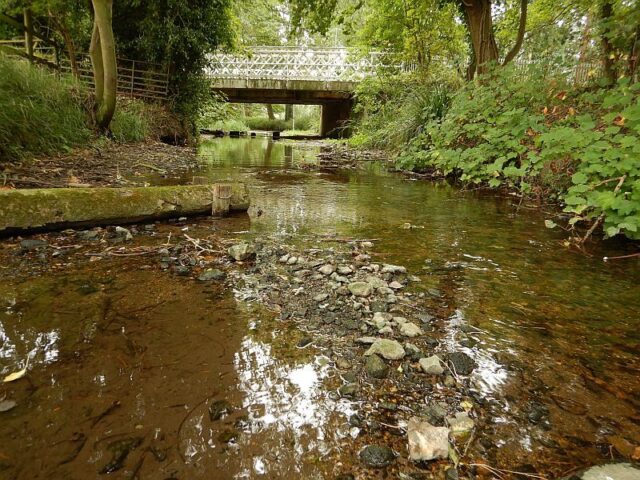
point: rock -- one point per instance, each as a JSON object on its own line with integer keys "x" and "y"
{"x": 431, "y": 365}
{"x": 241, "y": 252}
{"x": 284, "y": 258}
{"x": 213, "y": 274}
{"x": 393, "y": 269}
{"x": 409, "y": 329}
{"x": 6, "y": 405}
{"x": 292, "y": 260}
{"x": 304, "y": 342}
{"x": 32, "y": 244}
{"x": 376, "y": 282}
{"x": 413, "y": 351}
{"x": 449, "y": 381}
{"x": 89, "y": 235}
{"x": 388, "y": 349}
{"x": 451, "y": 474}
{"x": 396, "y": 285}
{"x": 376, "y": 456}
{"x": 360, "y": 289}
{"x": 120, "y": 449}
{"x": 327, "y": 269}
{"x": 348, "y": 390}
{"x": 362, "y": 258}
{"x": 461, "y": 363}
{"x": 124, "y": 232}
{"x": 435, "y": 414}
{"x": 218, "y": 409}
{"x": 342, "y": 363}
{"x": 611, "y": 471}
{"x": 425, "y": 317}
{"x": 321, "y": 297}
{"x": 378, "y": 306}
{"x": 380, "y": 320}
{"x": 460, "y": 425}
{"x": 345, "y": 270}
{"x": 386, "y": 330}
{"x": 366, "y": 340}
{"x": 426, "y": 442}
{"x": 375, "y": 367}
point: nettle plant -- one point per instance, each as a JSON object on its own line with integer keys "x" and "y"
{"x": 529, "y": 131}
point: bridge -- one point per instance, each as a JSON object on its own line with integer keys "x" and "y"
{"x": 295, "y": 75}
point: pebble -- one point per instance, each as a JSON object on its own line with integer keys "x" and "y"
{"x": 348, "y": 390}
{"x": 426, "y": 442}
{"x": 460, "y": 424}
{"x": 393, "y": 269}
{"x": 321, "y": 297}
{"x": 360, "y": 289}
{"x": 327, "y": 269}
{"x": 342, "y": 270}
{"x": 342, "y": 363}
{"x": 366, "y": 340}
{"x": 396, "y": 285}
{"x": 409, "y": 329}
{"x": 292, "y": 260}
{"x": 284, "y": 258}
{"x": 431, "y": 365}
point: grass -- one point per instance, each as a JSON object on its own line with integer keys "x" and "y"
{"x": 39, "y": 112}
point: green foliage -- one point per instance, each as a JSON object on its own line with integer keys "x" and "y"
{"x": 263, "y": 123}
{"x": 39, "y": 113}
{"x": 394, "y": 110}
{"x": 534, "y": 133}
{"x": 132, "y": 122}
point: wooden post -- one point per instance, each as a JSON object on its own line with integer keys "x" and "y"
{"x": 28, "y": 33}
{"x": 133, "y": 74}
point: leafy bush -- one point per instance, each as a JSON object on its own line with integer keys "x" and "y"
{"x": 538, "y": 134}
{"x": 39, "y": 113}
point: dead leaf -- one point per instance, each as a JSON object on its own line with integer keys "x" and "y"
{"x": 619, "y": 121}
{"x": 7, "y": 405}
{"x": 12, "y": 377}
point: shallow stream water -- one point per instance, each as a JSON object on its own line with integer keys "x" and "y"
{"x": 126, "y": 354}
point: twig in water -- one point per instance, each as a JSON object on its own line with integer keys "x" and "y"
{"x": 499, "y": 471}
{"x": 606, "y": 259}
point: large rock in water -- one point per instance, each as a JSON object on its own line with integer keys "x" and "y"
{"x": 461, "y": 363}
{"x": 389, "y": 349}
{"x": 376, "y": 456}
{"x": 427, "y": 442}
{"x": 375, "y": 367}
{"x": 241, "y": 252}
{"x": 611, "y": 471}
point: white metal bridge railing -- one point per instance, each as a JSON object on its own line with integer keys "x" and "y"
{"x": 295, "y": 63}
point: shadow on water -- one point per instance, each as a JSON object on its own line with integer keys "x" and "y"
{"x": 169, "y": 378}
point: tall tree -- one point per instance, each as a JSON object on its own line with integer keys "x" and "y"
{"x": 103, "y": 59}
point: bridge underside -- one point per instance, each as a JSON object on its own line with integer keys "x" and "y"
{"x": 336, "y": 98}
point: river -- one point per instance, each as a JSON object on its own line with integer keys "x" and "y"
{"x": 123, "y": 353}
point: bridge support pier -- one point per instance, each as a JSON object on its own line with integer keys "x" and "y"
{"x": 335, "y": 119}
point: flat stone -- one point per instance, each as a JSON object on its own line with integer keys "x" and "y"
{"x": 393, "y": 269}
{"x": 388, "y": 349}
{"x": 376, "y": 282}
{"x": 284, "y": 258}
{"x": 387, "y": 330}
{"x": 241, "y": 252}
{"x": 460, "y": 424}
{"x": 375, "y": 367}
{"x": 342, "y": 363}
{"x": 396, "y": 285}
{"x": 431, "y": 365}
{"x": 32, "y": 244}
{"x": 426, "y": 442}
{"x": 213, "y": 274}
{"x": 378, "y": 306}
{"x": 345, "y": 270}
{"x": 365, "y": 340}
{"x": 321, "y": 297}
{"x": 376, "y": 456}
{"x": 611, "y": 471}
{"x": 360, "y": 289}
{"x": 327, "y": 269}
{"x": 348, "y": 390}
{"x": 292, "y": 260}
{"x": 409, "y": 329}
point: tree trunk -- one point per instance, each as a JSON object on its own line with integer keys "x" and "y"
{"x": 61, "y": 25}
{"x": 608, "y": 54}
{"x": 103, "y": 57}
{"x": 522, "y": 27}
{"x": 28, "y": 33}
{"x": 270, "y": 111}
{"x": 288, "y": 112}
{"x": 480, "y": 24}
{"x": 65, "y": 207}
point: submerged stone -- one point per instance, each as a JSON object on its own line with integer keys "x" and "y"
{"x": 119, "y": 452}
{"x": 461, "y": 363}
{"x": 461, "y": 424}
{"x": 426, "y": 442}
{"x": 376, "y": 456}
{"x": 375, "y": 367}
{"x": 213, "y": 274}
{"x": 241, "y": 252}
{"x": 218, "y": 409}
{"x": 611, "y": 471}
